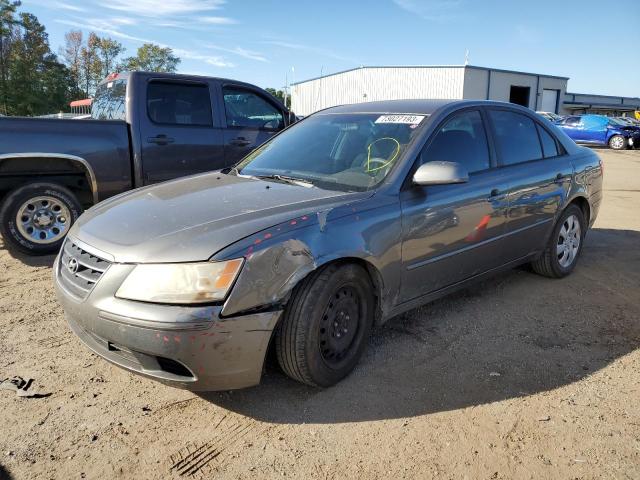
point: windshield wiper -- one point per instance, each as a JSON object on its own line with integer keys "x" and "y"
{"x": 285, "y": 179}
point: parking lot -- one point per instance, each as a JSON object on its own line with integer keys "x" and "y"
{"x": 516, "y": 377}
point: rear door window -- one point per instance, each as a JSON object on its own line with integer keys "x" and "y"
{"x": 172, "y": 103}
{"x": 463, "y": 140}
{"x": 515, "y": 136}
{"x": 248, "y": 109}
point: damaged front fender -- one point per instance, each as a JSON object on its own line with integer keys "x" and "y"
{"x": 270, "y": 274}
{"x": 276, "y": 259}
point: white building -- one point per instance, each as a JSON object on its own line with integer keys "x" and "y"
{"x": 366, "y": 84}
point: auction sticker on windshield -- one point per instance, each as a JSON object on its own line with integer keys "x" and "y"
{"x": 406, "y": 119}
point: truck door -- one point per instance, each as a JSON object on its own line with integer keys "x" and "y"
{"x": 179, "y": 133}
{"x": 251, "y": 119}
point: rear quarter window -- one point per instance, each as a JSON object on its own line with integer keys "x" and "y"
{"x": 549, "y": 144}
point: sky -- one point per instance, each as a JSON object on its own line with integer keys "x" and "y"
{"x": 270, "y": 43}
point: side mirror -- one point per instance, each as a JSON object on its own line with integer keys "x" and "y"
{"x": 440, "y": 173}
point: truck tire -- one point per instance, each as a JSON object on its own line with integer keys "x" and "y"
{"x": 325, "y": 325}
{"x": 35, "y": 218}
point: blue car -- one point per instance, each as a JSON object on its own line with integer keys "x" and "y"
{"x": 600, "y": 130}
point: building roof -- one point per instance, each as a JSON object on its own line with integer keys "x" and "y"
{"x": 475, "y": 67}
{"x": 81, "y": 103}
{"x": 411, "y": 106}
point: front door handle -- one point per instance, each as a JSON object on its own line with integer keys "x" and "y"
{"x": 240, "y": 142}
{"x": 161, "y": 139}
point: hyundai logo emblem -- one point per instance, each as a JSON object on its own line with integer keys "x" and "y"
{"x": 72, "y": 265}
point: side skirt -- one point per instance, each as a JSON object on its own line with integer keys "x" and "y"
{"x": 430, "y": 297}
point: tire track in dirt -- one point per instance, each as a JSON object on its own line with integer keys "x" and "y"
{"x": 198, "y": 459}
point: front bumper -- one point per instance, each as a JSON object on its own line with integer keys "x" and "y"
{"x": 185, "y": 347}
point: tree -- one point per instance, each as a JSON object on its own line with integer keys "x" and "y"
{"x": 92, "y": 61}
{"x": 152, "y": 58}
{"x": 279, "y": 94}
{"x": 108, "y": 52}
{"x": 71, "y": 54}
{"x": 36, "y": 82}
{"x": 8, "y": 23}
{"x": 90, "y": 65}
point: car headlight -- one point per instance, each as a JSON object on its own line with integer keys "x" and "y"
{"x": 180, "y": 283}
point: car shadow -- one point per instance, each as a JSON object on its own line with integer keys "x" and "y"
{"x": 514, "y": 335}
{"x": 30, "y": 260}
{"x": 4, "y": 474}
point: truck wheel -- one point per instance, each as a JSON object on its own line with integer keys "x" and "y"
{"x": 326, "y": 324}
{"x": 34, "y": 219}
{"x": 618, "y": 142}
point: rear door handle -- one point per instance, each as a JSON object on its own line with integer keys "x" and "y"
{"x": 495, "y": 195}
{"x": 240, "y": 142}
{"x": 160, "y": 140}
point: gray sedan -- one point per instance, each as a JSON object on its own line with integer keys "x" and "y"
{"x": 342, "y": 221}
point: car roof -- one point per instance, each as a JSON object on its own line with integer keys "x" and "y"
{"x": 417, "y": 106}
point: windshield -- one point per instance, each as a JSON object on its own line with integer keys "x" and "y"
{"x": 615, "y": 121}
{"x": 109, "y": 100}
{"x": 350, "y": 152}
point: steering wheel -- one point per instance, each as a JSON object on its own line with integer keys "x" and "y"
{"x": 374, "y": 165}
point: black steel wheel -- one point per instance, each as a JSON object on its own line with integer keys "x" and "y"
{"x": 326, "y": 324}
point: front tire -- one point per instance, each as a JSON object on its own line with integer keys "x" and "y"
{"x": 326, "y": 324}
{"x": 35, "y": 218}
{"x": 618, "y": 142}
{"x": 565, "y": 245}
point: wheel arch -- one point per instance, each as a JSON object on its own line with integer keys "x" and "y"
{"x": 582, "y": 202}
{"x": 15, "y": 164}
{"x": 375, "y": 277}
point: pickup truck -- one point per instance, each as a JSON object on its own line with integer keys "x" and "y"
{"x": 144, "y": 128}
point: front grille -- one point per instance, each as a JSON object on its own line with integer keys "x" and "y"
{"x": 79, "y": 270}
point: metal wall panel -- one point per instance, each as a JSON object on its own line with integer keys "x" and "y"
{"x": 377, "y": 83}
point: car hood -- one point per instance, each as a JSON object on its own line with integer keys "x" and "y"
{"x": 192, "y": 218}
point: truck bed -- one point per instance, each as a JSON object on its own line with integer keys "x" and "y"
{"x": 102, "y": 145}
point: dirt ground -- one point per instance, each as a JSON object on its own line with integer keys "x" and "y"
{"x": 517, "y": 377}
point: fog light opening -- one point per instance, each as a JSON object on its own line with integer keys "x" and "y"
{"x": 173, "y": 367}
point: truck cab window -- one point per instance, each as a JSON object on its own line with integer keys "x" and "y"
{"x": 245, "y": 108}
{"x": 172, "y": 103}
{"x": 109, "y": 101}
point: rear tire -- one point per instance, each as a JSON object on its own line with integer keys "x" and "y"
{"x": 326, "y": 324}
{"x": 565, "y": 245}
{"x": 35, "y": 218}
{"x": 618, "y": 142}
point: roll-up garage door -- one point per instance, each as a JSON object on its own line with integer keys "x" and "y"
{"x": 550, "y": 100}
